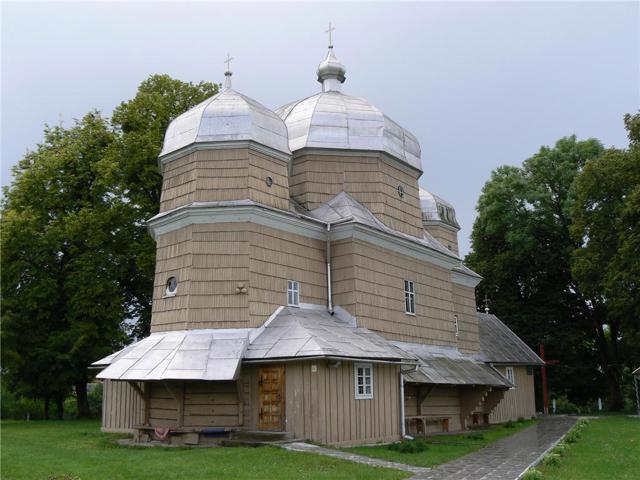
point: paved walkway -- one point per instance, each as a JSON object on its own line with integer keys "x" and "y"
{"x": 376, "y": 462}
{"x": 506, "y": 459}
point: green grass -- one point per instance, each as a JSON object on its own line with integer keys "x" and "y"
{"x": 608, "y": 447}
{"x": 50, "y": 449}
{"x": 444, "y": 448}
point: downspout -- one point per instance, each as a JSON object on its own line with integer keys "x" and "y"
{"x": 329, "y": 293}
{"x": 402, "y": 428}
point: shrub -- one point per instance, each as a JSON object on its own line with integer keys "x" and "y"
{"x": 551, "y": 459}
{"x": 563, "y": 405}
{"x": 17, "y": 408}
{"x": 533, "y": 474}
{"x": 560, "y": 449}
{"x": 520, "y": 419}
{"x": 509, "y": 424}
{"x": 475, "y": 436}
{"x": 409, "y": 446}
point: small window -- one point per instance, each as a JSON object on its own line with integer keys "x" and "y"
{"x": 455, "y": 319}
{"x": 364, "y": 380}
{"x": 409, "y": 297}
{"x": 510, "y": 376}
{"x": 293, "y": 293}
{"x": 172, "y": 287}
{"x": 529, "y": 370}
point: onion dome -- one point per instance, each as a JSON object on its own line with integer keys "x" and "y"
{"x": 435, "y": 209}
{"x": 227, "y": 117}
{"x": 333, "y": 120}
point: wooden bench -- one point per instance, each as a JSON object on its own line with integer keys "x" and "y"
{"x": 190, "y": 436}
{"x": 420, "y": 423}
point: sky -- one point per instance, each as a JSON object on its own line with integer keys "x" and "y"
{"x": 481, "y": 84}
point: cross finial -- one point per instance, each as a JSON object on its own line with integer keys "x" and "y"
{"x": 486, "y": 303}
{"x": 331, "y": 29}
{"x": 228, "y": 73}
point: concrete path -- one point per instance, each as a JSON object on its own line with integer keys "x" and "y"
{"x": 375, "y": 462}
{"x": 506, "y": 459}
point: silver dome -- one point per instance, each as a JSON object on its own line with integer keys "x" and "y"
{"x": 332, "y": 119}
{"x": 436, "y": 209}
{"x": 227, "y": 116}
{"x": 331, "y": 68}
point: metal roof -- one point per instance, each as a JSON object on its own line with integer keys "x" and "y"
{"x": 447, "y": 366}
{"x": 436, "y": 209}
{"x": 332, "y": 119}
{"x": 227, "y": 116}
{"x": 343, "y": 207}
{"x": 498, "y": 343}
{"x": 211, "y": 354}
{"x": 311, "y": 332}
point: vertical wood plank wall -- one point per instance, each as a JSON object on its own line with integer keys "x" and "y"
{"x": 122, "y": 407}
{"x": 321, "y": 405}
{"x": 442, "y": 401}
{"x": 518, "y": 402}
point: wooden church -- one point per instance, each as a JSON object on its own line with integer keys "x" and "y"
{"x": 307, "y": 288}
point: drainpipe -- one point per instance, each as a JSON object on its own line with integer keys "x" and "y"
{"x": 329, "y": 294}
{"x": 402, "y": 430}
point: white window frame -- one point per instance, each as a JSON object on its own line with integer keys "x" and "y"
{"x": 293, "y": 293}
{"x": 363, "y": 394}
{"x": 167, "y": 292}
{"x": 455, "y": 319}
{"x": 409, "y": 297}
{"x": 511, "y": 375}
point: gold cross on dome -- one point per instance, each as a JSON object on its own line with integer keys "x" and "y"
{"x": 331, "y": 29}
{"x": 228, "y": 62}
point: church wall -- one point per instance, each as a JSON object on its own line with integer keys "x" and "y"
{"x": 276, "y": 256}
{"x": 370, "y": 179}
{"x": 379, "y": 296}
{"x": 464, "y": 305}
{"x": 321, "y": 405}
{"x": 222, "y": 175}
{"x": 343, "y": 275}
{"x": 442, "y": 401}
{"x": 444, "y": 235}
{"x": 122, "y": 407}
{"x": 517, "y": 402}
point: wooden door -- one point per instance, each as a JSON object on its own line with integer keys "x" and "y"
{"x": 271, "y": 398}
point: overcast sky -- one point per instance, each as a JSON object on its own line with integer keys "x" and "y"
{"x": 480, "y": 84}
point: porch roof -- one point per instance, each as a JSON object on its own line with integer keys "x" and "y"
{"x": 499, "y": 344}
{"x": 447, "y": 366}
{"x": 208, "y": 354}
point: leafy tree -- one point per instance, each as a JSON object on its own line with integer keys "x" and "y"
{"x": 522, "y": 248}
{"x": 133, "y": 170}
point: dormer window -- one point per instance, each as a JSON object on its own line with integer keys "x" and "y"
{"x": 293, "y": 293}
{"x": 171, "y": 287}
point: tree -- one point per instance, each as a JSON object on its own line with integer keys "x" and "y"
{"x": 62, "y": 251}
{"x": 523, "y": 249}
{"x": 77, "y": 263}
{"x": 133, "y": 170}
{"x": 606, "y": 223}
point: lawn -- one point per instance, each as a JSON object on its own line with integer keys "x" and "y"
{"x": 444, "y": 448}
{"x": 608, "y": 447}
{"x": 50, "y": 449}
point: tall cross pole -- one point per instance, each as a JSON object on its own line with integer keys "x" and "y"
{"x": 228, "y": 73}
{"x": 331, "y": 29}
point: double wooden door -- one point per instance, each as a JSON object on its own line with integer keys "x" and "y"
{"x": 271, "y": 398}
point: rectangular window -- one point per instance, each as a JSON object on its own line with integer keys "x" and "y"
{"x": 364, "y": 380}
{"x": 409, "y": 297}
{"x": 293, "y": 293}
{"x": 510, "y": 376}
{"x": 455, "y": 318}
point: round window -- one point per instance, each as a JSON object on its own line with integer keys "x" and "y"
{"x": 172, "y": 286}
{"x": 269, "y": 181}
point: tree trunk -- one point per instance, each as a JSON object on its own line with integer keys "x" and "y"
{"x": 60, "y": 407}
{"x": 46, "y": 408}
{"x": 83, "y": 401}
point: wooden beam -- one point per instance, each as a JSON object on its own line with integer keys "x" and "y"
{"x": 422, "y": 392}
{"x": 137, "y": 388}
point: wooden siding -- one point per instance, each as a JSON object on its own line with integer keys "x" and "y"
{"x": 442, "y": 401}
{"x": 444, "y": 235}
{"x": 275, "y": 257}
{"x": 464, "y": 306}
{"x": 379, "y": 277}
{"x": 517, "y": 402}
{"x": 321, "y": 405}
{"x": 371, "y": 179}
{"x": 122, "y": 407}
{"x": 219, "y": 175}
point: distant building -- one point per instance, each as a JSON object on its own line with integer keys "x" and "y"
{"x": 306, "y": 285}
